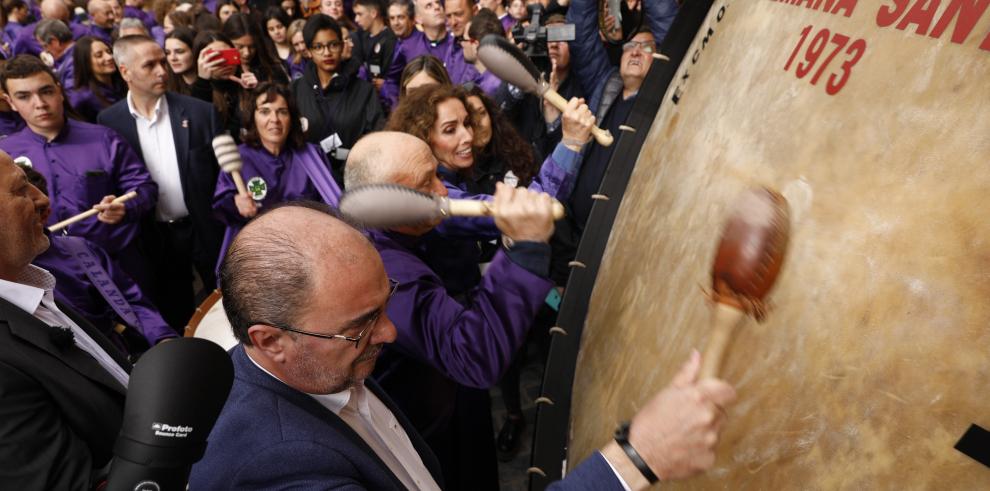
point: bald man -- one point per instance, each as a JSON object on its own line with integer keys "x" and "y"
{"x": 311, "y": 302}
{"x": 103, "y": 16}
{"x": 449, "y": 347}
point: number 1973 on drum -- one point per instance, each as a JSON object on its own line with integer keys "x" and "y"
{"x": 828, "y": 54}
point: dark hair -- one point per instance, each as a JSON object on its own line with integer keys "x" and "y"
{"x": 270, "y": 91}
{"x": 8, "y": 6}
{"x": 175, "y": 81}
{"x": 203, "y": 39}
{"x": 34, "y": 177}
{"x": 483, "y": 23}
{"x": 269, "y": 279}
{"x": 416, "y": 114}
{"x": 425, "y": 63}
{"x": 377, "y": 5}
{"x": 84, "y": 76}
{"x": 506, "y": 145}
{"x": 265, "y": 63}
{"x": 222, "y": 3}
{"x": 317, "y": 23}
{"x": 181, "y": 19}
{"x": 296, "y": 11}
{"x": 49, "y": 29}
{"x": 407, "y": 4}
{"x": 24, "y": 66}
{"x": 276, "y": 12}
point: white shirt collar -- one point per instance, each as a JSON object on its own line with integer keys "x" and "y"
{"x": 334, "y": 402}
{"x": 160, "y": 107}
{"x": 31, "y": 287}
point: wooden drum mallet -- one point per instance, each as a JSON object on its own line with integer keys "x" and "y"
{"x": 229, "y": 159}
{"x": 750, "y": 254}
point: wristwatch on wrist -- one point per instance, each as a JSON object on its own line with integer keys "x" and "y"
{"x": 622, "y": 438}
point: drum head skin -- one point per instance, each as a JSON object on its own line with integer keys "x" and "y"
{"x": 873, "y": 121}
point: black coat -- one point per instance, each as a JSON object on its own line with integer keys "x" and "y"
{"x": 348, "y": 106}
{"x": 60, "y": 411}
{"x": 194, "y": 124}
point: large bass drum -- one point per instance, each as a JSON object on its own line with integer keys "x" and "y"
{"x": 873, "y": 120}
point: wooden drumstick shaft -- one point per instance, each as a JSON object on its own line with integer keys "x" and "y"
{"x": 239, "y": 182}
{"x": 603, "y": 137}
{"x": 88, "y": 213}
{"x": 724, "y": 324}
{"x": 475, "y": 208}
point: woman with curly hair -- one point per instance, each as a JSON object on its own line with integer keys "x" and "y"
{"x": 501, "y": 153}
{"x": 442, "y": 116}
{"x": 278, "y": 163}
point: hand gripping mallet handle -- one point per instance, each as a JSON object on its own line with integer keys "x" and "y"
{"x": 229, "y": 159}
{"x": 603, "y": 137}
{"x": 88, "y": 213}
{"x": 746, "y": 265}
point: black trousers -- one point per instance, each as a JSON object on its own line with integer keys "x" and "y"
{"x": 174, "y": 254}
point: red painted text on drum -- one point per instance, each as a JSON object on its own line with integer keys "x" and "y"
{"x": 844, "y": 54}
{"x": 922, "y": 13}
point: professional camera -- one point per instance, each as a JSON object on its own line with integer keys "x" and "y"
{"x": 534, "y": 37}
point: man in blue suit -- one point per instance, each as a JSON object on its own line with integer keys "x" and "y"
{"x": 306, "y": 296}
{"x": 174, "y": 134}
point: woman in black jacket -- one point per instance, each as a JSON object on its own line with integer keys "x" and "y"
{"x": 338, "y": 108}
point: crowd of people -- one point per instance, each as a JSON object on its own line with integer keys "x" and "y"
{"x": 114, "y": 107}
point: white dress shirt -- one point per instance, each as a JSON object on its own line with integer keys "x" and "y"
{"x": 33, "y": 293}
{"x": 158, "y": 150}
{"x": 368, "y": 416}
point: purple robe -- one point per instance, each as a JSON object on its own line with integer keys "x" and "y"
{"x": 65, "y": 69}
{"x": 75, "y": 288}
{"x": 447, "y": 50}
{"x": 88, "y": 104}
{"x": 285, "y": 178}
{"x": 489, "y": 83}
{"x": 12, "y": 29}
{"x": 25, "y": 43}
{"x": 508, "y": 22}
{"x": 84, "y": 163}
{"x": 7, "y": 44}
{"x": 101, "y": 33}
{"x": 295, "y": 70}
{"x": 471, "y": 343}
{"x": 556, "y": 177}
{"x": 10, "y": 123}
{"x": 145, "y": 17}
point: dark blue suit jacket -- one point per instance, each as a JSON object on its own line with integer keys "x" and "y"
{"x": 194, "y": 124}
{"x": 270, "y": 436}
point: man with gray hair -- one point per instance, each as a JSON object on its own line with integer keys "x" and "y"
{"x": 174, "y": 133}
{"x": 56, "y": 40}
{"x": 129, "y": 26}
{"x": 25, "y": 43}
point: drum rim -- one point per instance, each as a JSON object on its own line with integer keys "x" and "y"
{"x": 552, "y": 428}
{"x": 190, "y": 330}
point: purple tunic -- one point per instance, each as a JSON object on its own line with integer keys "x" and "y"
{"x": 25, "y": 43}
{"x": 101, "y": 33}
{"x": 10, "y": 122}
{"x": 508, "y": 22}
{"x": 12, "y": 29}
{"x": 88, "y": 105}
{"x": 65, "y": 69}
{"x": 144, "y": 17}
{"x": 284, "y": 178}
{"x": 556, "y": 178}
{"x": 84, "y": 163}
{"x": 76, "y": 288}
{"x": 447, "y": 50}
{"x": 296, "y": 70}
{"x": 474, "y": 342}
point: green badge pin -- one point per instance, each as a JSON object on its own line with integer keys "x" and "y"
{"x": 258, "y": 188}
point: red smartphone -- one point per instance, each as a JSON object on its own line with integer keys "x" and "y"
{"x": 231, "y": 57}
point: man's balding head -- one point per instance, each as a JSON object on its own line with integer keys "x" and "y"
{"x": 386, "y": 157}
{"x": 306, "y": 294}
{"x": 23, "y": 212}
{"x": 54, "y": 9}
{"x": 268, "y": 273}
